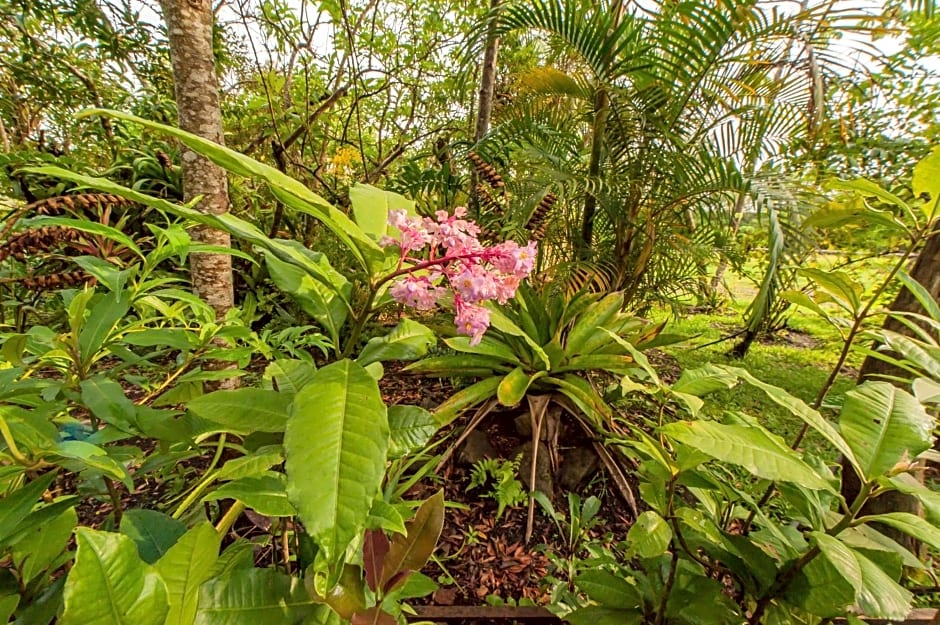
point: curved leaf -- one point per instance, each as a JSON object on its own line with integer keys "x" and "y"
{"x": 411, "y": 427}
{"x": 336, "y": 443}
{"x": 513, "y": 387}
{"x": 411, "y": 551}
{"x": 290, "y": 191}
{"x": 254, "y": 597}
{"x": 406, "y": 341}
{"x": 466, "y": 398}
{"x": 750, "y": 447}
{"x": 884, "y": 425}
{"x": 185, "y": 567}
{"x": 153, "y": 532}
{"x": 111, "y": 585}
{"x": 649, "y": 536}
{"x": 244, "y": 410}
{"x": 265, "y": 494}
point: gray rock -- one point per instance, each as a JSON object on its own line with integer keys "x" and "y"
{"x": 551, "y": 425}
{"x": 576, "y": 466}
{"x": 543, "y": 468}
{"x": 475, "y": 448}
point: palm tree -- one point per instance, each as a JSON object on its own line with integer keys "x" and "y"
{"x": 668, "y": 113}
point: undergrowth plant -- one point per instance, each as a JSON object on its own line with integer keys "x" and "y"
{"x": 500, "y": 473}
{"x": 306, "y": 450}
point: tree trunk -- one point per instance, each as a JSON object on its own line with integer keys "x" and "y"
{"x": 189, "y": 27}
{"x": 926, "y": 271}
{"x": 487, "y": 77}
{"x": 599, "y": 128}
{"x": 485, "y": 99}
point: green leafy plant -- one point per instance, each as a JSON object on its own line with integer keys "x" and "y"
{"x": 543, "y": 349}
{"x": 506, "y": 490}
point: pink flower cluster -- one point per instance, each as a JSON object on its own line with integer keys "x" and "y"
{"x": 475, "y": 273}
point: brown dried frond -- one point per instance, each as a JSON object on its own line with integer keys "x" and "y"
{"x": 86, "y": 202}
{"x": 37, "y": 241}
{"x": 486, "y": 172}
{"x": 164, "y": 159}
{"x": 56, "y": 280}
{"x": 488, "y": 203}
{"x": 80, "y": 204}
{"x": 538, "y": 221}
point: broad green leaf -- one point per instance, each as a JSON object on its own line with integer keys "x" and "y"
{"x": 371, "y": 207}
{"x": 107, "y": 401}
{"x": 16, "y": 505}
{"x": 921, "y": 294}
{"x": 798, "y": 408}
{"x": 504, "y": 324}
{"x": 868, "y": 188}
{"x": 459, "y": 365}
{"x": 583, "y": 395}
{"x": 839, "y": 284}
{"x": 91, "y": 456}
{"x": 251, "y": 465}
{"x": 244, "y": 410}
{"x": 590, "y": 320}
{"x": 513, "y": 387}
{"x": 868, "y": 539}
{"x": 288, "y": 376}
{"x": 600, "y": 615}
{"x": 44, "y": 543}
{"x": 110, "y": 585}
{"x": 8, "y": 604}
{"x": 821, "y": 589}
{"x": 703, "y": 380}
{"x": 926, "y": 179}
{"x": 411, "y": 427}
{"x": 880, "y": 595}
{"x": 609, "y": 590}
{"x": 254, "y": 597}
{"x": 153, "y": 532}
{"x": 91, "y": 227}
{"x": 910, "y": 524}
{"x": 858, "y": 212}
{"x": 649, "y": 536}
{"x": 336, "y": 443}
{"x": 909, "y": 485}
{"x": 177, "y": 338}
{"x": 884, "y": 425}
{"x": 406, "y": 341}
{"x": 411, "y": 552}
{"x": 802, "y": 299}
{"x": 184, "y": 567}
{"x": 265, "y": 494}
{"x": 104, "y": 315}
{"x": 753, "y": 448}
{"x": 324, "y": 295}
{"x": 841, "y": 557}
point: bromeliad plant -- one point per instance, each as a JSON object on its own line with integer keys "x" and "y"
{"x": 544, "y": 348}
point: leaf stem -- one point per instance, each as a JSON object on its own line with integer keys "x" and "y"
{"x": 229, "y": 518}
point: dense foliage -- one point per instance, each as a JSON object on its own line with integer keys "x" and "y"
{"x": 164, "y": 460}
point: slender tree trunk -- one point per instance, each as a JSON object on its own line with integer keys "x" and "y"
{"x": 599, "y": 128}
{"x": 189, "y": 26}
{"x": 487, "y": 77}
{"x": 485, "y": 99}
{"x": 926, "y": 271}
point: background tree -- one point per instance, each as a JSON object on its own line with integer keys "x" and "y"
{"x": 189, "y": 29}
